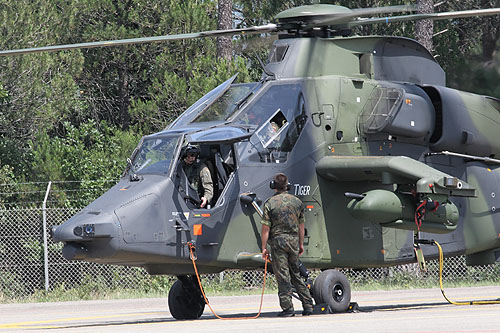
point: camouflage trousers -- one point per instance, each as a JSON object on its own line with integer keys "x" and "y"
{"x": 285, "y": 256}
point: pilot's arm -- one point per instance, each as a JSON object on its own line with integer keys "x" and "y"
{"x": 207, "y": 184}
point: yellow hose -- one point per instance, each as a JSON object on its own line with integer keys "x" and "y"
{"x": 441, "y": 284}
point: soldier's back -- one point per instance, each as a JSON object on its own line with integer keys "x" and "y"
{"x": 285, "y": 211}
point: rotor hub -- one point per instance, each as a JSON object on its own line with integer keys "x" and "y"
{"x": 314, "y": 21}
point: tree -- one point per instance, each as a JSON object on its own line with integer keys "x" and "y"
{"x": 3, "y": 94}
{"x": 424, "y": 29}
{"x": 224, "y": 22}
{"x": 39, "y": 91}
{"x": 140, "y": 89}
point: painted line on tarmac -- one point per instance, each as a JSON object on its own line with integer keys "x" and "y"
{"x": 445, "y": 308}
{"x": 29, "y": 324}
{"x": 462, "y": 299}
{"x": 425, "y": 315}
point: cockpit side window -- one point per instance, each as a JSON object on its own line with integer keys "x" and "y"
{"x": 269, "y": 133}
{"x": 280, "y": 115}
{"x": 278, "y": 53}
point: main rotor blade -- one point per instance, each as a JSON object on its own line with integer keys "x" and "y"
{"x": 343, "y": 18}
{"x": 431, "y": 16}
{"x": 213, "y": 33}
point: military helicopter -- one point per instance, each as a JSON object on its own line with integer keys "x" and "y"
{"x": 381, "y": 152}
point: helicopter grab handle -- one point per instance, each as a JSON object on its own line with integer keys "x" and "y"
{"x": 251, "y": 199}
{"x": 354, "y": 196}
{"x": 465, "y": 156}
{"x": 257, "y": 208}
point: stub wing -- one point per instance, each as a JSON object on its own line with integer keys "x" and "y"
{"x": 392, "y": 170}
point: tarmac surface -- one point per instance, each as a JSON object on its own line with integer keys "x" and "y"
{"x": 417, "y": 310}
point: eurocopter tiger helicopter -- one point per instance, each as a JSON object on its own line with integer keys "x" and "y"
{"x": 381, "y": 152}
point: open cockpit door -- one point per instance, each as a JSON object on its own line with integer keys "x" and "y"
{"x": 217, "y": 152}
{"x": 203, "y": 103}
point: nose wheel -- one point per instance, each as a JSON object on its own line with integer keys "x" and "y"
{"x": 185, "y": 300}
{"x": 332, "y": 287}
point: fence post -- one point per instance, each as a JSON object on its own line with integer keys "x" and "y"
{"x": 45, "y": 247}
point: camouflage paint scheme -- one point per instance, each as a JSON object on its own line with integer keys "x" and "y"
{"x": 147, "y": 223}
{"x": 283, "y": 213}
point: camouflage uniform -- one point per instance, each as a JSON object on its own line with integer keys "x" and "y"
{"x": 283, "y": 213}
{"x": 200, "y": 179}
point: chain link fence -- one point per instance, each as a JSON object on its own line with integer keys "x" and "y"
{"x": 24, "y": 271}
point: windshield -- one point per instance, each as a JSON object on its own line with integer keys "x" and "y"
{"x": 227, "y": 104}
{"x": 155, "y": 155}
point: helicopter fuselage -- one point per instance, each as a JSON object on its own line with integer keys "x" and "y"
{"x": 364, "y": 115}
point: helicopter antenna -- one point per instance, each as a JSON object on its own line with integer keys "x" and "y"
{"x": 268, "y": 72}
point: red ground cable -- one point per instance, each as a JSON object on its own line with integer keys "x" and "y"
{"x": 193, "y": 259}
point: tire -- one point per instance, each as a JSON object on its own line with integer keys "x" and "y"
{"x": 182, "y": 304}
{"x": 332, "y": 287}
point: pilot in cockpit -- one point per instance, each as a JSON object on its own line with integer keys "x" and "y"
{"x": 197, "y": 174}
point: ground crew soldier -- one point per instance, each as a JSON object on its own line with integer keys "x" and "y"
{"x": 198, "y": 174}
{"x": 283, "y": 226}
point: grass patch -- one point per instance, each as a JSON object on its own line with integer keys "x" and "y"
{"x": 126, "y": 283}
{"x": 62, "y": 294}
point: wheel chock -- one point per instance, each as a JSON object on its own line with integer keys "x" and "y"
{"x": 322, "y": 308}
{"x": 353, "y": 307}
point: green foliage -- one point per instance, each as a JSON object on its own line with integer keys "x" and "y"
{"x": 171, "y": 94}
{"x": 48, "y": 99}
{"x": 147, "y": 86}
{"x": 11, "y": 286}
{"x": 32, "y": 250}
{"x": 3, "y": 94}
{"x": 89, "y": 153}
{"x": 41, "y": 88}
{"x": 475, "y": 76}
{"x": 76, "y": 115}
{"x": 6, "y": 174}
{"x": 38, "y": 90}
{"x": 230, "y": 283}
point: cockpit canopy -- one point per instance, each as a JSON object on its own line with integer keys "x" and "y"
{"x": 270, "y": 115}
{"x": 155, "y": 154}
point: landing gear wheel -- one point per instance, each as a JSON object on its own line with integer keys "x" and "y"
{"x": 332, "y": 287}
{"x": 185, "y": 300}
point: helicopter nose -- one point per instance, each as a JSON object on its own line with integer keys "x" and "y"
{"x": 87, "y": 235}
{"x": 83, "y": 228}
{"x": 52, "y": 231}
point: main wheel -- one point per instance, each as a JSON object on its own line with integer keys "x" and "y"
{"x": 184, "y": 301}
{"x": 332, "y": 287}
